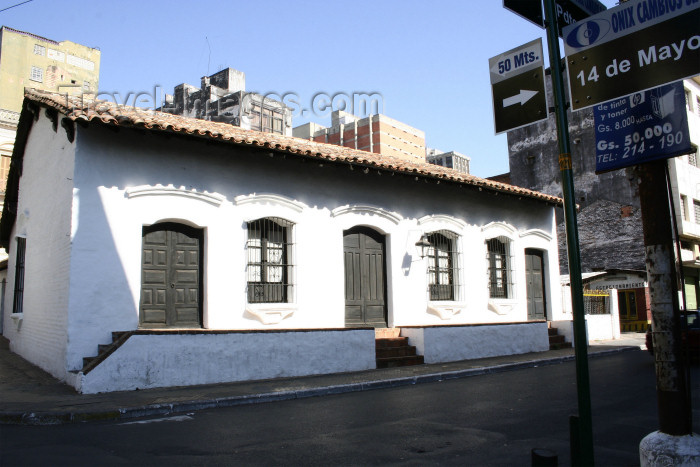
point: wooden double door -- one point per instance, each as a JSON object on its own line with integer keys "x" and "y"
{"x": 365, "y": 278}
{"x": 171, "y": 276}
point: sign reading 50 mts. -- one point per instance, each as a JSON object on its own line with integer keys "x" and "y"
{"x": 517, "y": 87}
{"x": 635, "y": 46}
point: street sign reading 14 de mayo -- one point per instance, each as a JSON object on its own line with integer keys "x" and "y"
{"x": 635, "y": 46}
{"x": 517, "y": 87}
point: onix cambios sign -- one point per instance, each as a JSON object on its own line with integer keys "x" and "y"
{"x": 635, "y": 46}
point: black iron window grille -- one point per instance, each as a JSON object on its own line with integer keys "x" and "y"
{"x": 269, "y": 251}
{"x": 17, "y": 304}
{"x": 499, "y": 260}
{"x": 443, "y": 266}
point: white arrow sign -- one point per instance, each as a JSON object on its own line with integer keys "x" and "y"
{"x": 524, "y": 96}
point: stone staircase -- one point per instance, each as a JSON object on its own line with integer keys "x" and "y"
{"x": 556, "y": 340}
{"x": 393, "y": 350}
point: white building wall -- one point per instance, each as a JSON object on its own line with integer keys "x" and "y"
{"x": 43, "y": 217}
{"x": 126, "y": 180}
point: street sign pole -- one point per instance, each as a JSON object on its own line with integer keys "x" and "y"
{"x": 582, "y": 444}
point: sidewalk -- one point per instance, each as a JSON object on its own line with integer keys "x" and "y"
{"x": 28, "y": 395}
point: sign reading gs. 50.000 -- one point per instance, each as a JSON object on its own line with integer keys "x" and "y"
{"x": 635, "y": 46}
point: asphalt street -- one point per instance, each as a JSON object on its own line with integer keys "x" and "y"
{"x": 491, "y": 419}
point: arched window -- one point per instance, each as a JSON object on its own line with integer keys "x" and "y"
{"x": 442, "y": 265}
{"x": 500, "y": 276}
{"x": 269, "y": 253}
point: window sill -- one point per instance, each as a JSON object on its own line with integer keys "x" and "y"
{"x": 502, "y": 306}
{"x": 271, "y": 313}
{"x": 17, "y": 318}
{"x": 445, "y": 310}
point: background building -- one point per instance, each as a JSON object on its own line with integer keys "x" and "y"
{"x": 377, "y": 133}
{"x": 222, "y": 98}
{"x": 452, "y": 159}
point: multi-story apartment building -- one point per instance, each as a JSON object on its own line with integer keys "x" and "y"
{"x": 31, "y": 61}
{"x": 452, "y": 159}
{"x": 222, "y": 98}
{"x": 376, "y": 133}
{"x": 685, "y": 185}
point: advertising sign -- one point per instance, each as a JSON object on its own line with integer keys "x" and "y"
{"x": 643, "y": 127}
{"x": 517, "y": 87}
{"x": 635, "y": 46}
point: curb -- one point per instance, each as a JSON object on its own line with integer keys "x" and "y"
{"x": 57, "y": 418}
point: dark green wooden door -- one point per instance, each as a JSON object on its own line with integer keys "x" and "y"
{"x": 534, "y": 273}
{"x": 365, "y": 284}
{"x": 171, "y": 276}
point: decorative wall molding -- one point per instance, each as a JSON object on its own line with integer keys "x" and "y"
{"x": 445, "y": 312}
{"x": 270, "y": 199}
{"x": 441, "y": 220}
{"x": 367, "y": 210}
{"x": 170, "y": 190}
{"x": 493, "y": 229}
{"x": 536, "y": 233}
{"x": 270, "y": 315}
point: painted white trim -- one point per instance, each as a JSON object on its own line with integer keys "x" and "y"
{"x": 365, "y": 209}
{"x": 170, "y": 190}
{"x": 499, "y": 228}
{"x": 440, "y": 220}
{"x": 445, "y": 310}
{"x": 271, "y": 199}
{"x": 538, "y": 233}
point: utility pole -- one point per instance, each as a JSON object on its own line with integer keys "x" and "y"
{"x": 581, "y": 426}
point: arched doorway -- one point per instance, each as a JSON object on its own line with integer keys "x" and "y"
{"x": 365, "y": 278}
{"x": 171, "y": 276}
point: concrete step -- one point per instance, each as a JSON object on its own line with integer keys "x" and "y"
{"x": 563, "y": 345}
{"x": 557, "y": 339}
{"x": 400, "y": 361}
{"x": 391, "y": 352}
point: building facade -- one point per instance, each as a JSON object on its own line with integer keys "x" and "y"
{"x": 378, "y": 134}
{"x": 222, "y": 98}
{"x": 179, "y": 251}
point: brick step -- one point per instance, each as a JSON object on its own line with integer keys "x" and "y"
{"x": 399, "y": 361}
{"x": 562, "y": 345}
{"x": 87, "y": 361}
{"x": 383, "y": 333}
{"x": 558, "y": 339}
{"x": 391, "y": 342}
{"x": 552, "y": 331}
{"x": 390, "y": 352}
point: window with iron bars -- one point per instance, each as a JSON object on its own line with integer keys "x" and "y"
{"x": 269, "y": 251}
{"x": 499, "y": 260}
{"x": 18, "y": 301}
{"x": 443, "y": 266}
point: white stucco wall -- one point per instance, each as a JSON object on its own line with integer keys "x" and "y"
{"x": 149, "y": 361}
{"x": 453, "y": 343}
{"x": 39, "y": 334}
{"x": 126, "y": 180}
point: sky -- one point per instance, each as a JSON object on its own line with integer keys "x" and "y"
{"x": 426, "y": 62}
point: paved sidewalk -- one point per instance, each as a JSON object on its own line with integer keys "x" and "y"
{"x": 28, "y": 395}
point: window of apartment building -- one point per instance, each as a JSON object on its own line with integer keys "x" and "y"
{"x": 693, "y": 156}
{"x": 86, "y": 85}
{"x": 4, "y": 170}
{"x": 269, "y": 252}
{"x": 443, "y": 265}
{"x": 684, "y": 207}
{"x": 688, "y": 100}
{"x": 499, "y": 272}
{"x": 255, "y": 122}
{"x": 37, "y": 74}
{"x": 696, "y": 209}
{"x": 39, "y": 50}
{"x": 266, "y": 120}
{"x": 277, "y": 124}
{"x": 17, "y": 304}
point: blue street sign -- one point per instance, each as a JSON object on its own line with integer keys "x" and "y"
{"x": 642, "y": 127}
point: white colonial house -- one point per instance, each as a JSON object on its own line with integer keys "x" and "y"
{"x": 176, "y": 251}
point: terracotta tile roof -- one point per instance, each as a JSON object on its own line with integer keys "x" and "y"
{"x": 80, "y": 109}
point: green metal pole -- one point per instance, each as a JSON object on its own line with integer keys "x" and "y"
{"x": 585, "y": 426}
